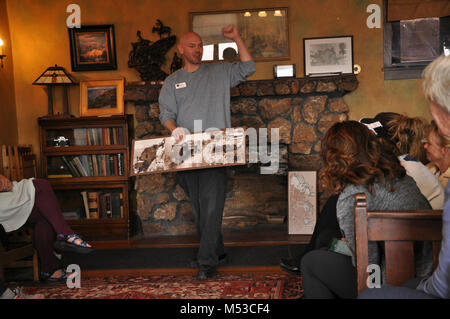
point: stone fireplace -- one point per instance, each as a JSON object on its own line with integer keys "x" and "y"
{"x": 303, "y": 109}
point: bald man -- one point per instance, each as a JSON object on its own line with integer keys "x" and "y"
{"x": 201, "y": 92}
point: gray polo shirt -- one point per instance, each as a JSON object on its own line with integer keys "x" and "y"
{"x": 202, "y": 95}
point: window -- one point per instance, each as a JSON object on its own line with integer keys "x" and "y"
{"x": 410, "y": 45}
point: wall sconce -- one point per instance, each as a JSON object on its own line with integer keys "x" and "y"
{"x": 247, "y": 14}
{"x": 2, "y": 53}
{"x": 277, "y": 13}
{"x": 262, "y": 14}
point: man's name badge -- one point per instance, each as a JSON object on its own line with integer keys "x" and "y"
{"x": 180, "y": 85}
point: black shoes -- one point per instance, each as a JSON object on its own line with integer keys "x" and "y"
{"x": 222, "y": 260}
{"x": 206, "y": 272}
{"x": 47, "y": 277}
{"x": 288, "y": 266}
{"x": 82, "y": 247}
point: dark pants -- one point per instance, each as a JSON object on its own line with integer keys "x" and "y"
{"x": 407, "y": 291}
{"x": 3, "y": 287}
{"x": 48, "y": 222}
{"x": 327, "y": 275}
{"x": 206, "y": 189}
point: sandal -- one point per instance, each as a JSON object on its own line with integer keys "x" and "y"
{"x": 70, "y": 246}
{"x": 45, "y": 276}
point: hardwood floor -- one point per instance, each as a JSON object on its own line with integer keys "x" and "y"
{"x": 176, "y": 271}
{"x": 265, "y": 235}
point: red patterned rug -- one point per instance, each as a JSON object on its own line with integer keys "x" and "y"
{"x": 223, "y": 286}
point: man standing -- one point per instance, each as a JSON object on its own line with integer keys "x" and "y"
{"x": 201, "y": 92}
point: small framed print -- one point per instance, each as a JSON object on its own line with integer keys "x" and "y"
{"x": 328, "y": 56}
{"x": 102, "y": 97}
{"x": 93, "y": 48}
{"x": 302, "y": 202}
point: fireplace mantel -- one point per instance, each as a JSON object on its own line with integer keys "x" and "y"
{"x": 302, "y": 108}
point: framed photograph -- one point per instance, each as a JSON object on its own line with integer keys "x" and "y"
{"x": 197, "y": 151}
{"x": 101, "y": 97}
{"x": 328, "y": 56}
{"x": 265, "y": 32}
{"x": 93, "y": 48}
{"x": 302, "y": 202}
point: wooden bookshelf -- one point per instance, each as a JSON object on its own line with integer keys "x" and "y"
{"x": 92, "y": 157}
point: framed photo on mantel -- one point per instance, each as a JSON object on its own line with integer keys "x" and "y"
{"x": 328, "y": 56}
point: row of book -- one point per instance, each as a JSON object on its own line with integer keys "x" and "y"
{"x": 101, "y": 204}
{"x": 91, "y": 165}
{"x": 98, "y": 136}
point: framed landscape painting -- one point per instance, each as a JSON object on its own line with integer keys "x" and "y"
{"x": 197, "y": 151}
{"x": 265, "y": 32}
{"x": 93, "y": 48}
{"x": 302, "y": 202}
{"x": 101, "y": 97}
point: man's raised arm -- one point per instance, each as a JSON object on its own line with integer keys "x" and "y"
{"x": 230, "y": 32}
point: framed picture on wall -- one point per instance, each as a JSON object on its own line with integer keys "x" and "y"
{"x": 265, "y": 32}
{"x": 328, "y": 56}
{"x": 208, "y": 149}
{"x": 101, "y": 97}
{"x": 93, "y": 48}
{"x": 302, "y": 202}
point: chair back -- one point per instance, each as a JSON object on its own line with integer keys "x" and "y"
{"x": 18, "y": 162}
{"x": 398, "y": 230}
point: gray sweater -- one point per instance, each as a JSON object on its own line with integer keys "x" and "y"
{"x": 202, "y": 95}
{"x": 406, "y": 196}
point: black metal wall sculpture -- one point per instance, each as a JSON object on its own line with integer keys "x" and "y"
{"x": 177, "y": 63}
{"x": 147, "y": 57}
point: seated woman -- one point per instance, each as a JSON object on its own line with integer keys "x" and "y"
{"x": 437, "y": 147}
{"x": 404, "y": 135}
{"x": 33, "y": 200}
{"x": 355, "y": 162}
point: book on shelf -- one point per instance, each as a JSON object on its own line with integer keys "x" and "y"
{"x": 105, "y": 205}
{"x": 72, "y": 170}
{"x": 93, "y": 204}
{"x": 90, "y": 165}
{"x": 85, "y": 203}
{"x": 79, "y": 166}
{"x": 103, "y": 136}
{"x": 80, "y": 137}
{"x": 116, "y": 205}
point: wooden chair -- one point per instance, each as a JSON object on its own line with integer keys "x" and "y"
{"x": 398, "y": 230}
{"x": 18, "y": 162}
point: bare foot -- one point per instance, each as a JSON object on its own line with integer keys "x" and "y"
{"x": 57, "y": 274}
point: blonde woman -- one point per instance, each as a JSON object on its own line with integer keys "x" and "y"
{"x": 437, "y": 147}
{"x": 404, "y": 137}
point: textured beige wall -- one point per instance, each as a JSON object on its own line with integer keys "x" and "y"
{"x": 40, "y": 39}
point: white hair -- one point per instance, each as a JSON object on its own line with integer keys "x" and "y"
{"x": 436, "y": 84}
